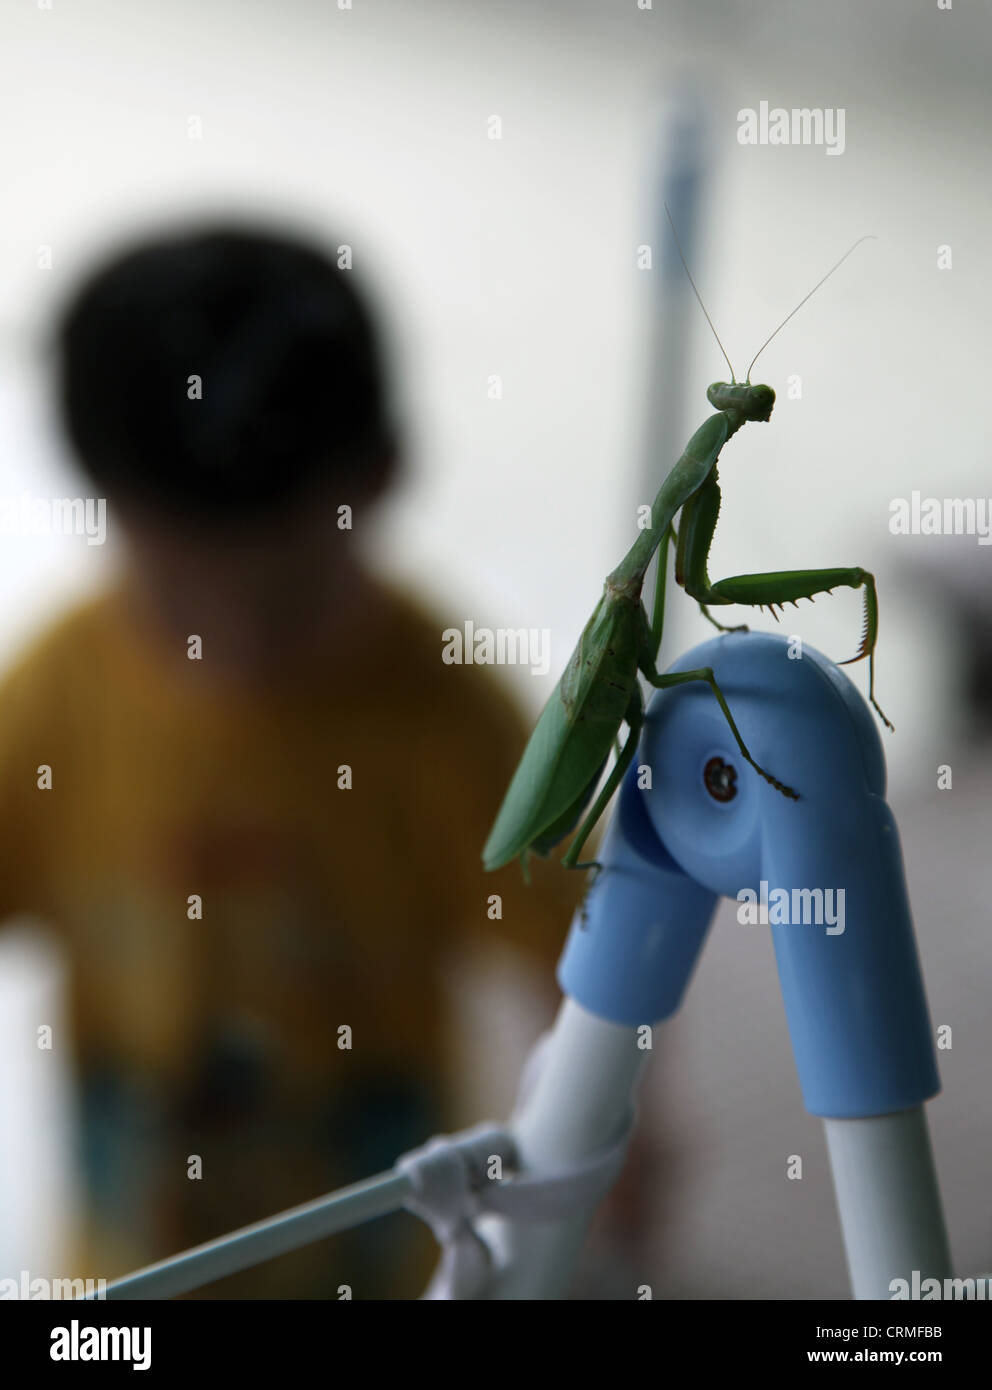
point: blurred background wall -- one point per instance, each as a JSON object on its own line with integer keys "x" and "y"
{"x": 516, "y": 257}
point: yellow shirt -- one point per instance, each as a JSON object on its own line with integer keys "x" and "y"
{"x": 235, "y": 915}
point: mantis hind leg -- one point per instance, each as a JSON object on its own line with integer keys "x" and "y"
{"x": 705, "y": 673}
{"x": 788, "y": 586}
{"x": 635, "y": 718}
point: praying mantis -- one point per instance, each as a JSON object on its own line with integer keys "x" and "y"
{"x": 599, "y": 689}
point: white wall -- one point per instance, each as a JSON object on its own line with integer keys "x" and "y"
{"x": 516, "y": 257}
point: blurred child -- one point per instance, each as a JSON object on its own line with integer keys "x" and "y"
{"x": 268, "y": 794}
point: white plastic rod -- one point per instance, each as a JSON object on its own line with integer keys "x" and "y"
{"x": 580, "y": 1103}
{"x": 889, "y": 1202}
{"x": 264, "y": 1239}
{"x": 40, "y": 1204}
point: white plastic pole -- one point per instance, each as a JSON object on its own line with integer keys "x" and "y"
{"x": 581, "y": 1103}
{"x": 40, "y": 1208}
{"x": 264, "y": 1239}
{"x": 889, "y": 1202}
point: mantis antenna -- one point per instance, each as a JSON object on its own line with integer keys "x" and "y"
{"x": 869, "y": 237}
{"x": 699, "y": 296}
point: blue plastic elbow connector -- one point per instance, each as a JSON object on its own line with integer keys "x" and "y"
{"x": 826, "y": 868}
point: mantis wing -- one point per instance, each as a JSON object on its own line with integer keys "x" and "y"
{"x": 571, "y": 741}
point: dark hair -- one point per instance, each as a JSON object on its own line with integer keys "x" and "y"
{"x": 292, "y": 383}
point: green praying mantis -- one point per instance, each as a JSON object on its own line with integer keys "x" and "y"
{"x": 599, "y": 689}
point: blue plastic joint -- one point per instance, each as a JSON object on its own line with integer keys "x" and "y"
{"x": 825, "y": 872}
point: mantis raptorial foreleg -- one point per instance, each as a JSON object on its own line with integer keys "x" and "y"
{"x": 658, "y": 613}
{"x": 770, "y": 590}
{"x": 788, "y": 586}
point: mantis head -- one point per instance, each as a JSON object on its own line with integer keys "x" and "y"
{"x": 750, "y": 402}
